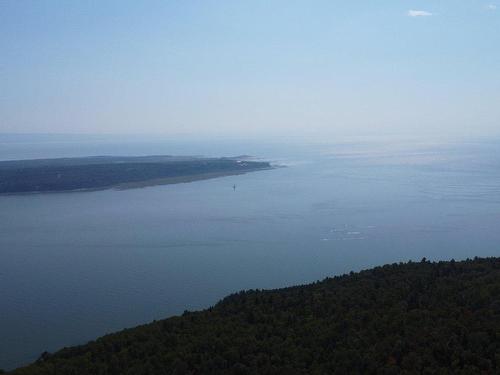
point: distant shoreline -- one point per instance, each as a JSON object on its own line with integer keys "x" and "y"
{"x": 183, "y": 179}
{"x": 74, "y": 175}
{"x": 146, "y": 183}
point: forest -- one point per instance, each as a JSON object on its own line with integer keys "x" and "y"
{"x": 406, "y": 318}
{"x": 92, "y": 173}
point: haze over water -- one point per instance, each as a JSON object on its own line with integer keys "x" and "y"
{"x": 74, "y": 266}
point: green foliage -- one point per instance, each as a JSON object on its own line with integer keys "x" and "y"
{"x": 413, "y": 318}
{"x": 42, "y": 175}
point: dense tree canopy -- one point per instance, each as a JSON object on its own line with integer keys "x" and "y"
{"x": 412, "y": 318}
{"x": 67, "y": 174}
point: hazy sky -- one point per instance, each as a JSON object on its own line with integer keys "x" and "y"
{"x": 250, "y": 67}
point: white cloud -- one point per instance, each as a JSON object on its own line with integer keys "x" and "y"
{"x": 492, "y": 7}
{"x": 419, "y": 13}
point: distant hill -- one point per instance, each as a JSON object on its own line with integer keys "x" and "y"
{"x": 103, "y": 172}
{"x": 412, "y": 318}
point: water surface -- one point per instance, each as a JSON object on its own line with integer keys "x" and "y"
{"x": 74, "y": 266}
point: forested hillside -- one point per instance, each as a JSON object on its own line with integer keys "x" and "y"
{"x": 412, "y": 318}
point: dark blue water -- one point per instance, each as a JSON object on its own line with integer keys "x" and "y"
{"x": 74, "y": 266}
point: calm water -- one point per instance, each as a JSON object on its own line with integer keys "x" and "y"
{"x": 74, "y": 266}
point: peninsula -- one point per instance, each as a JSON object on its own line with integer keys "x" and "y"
{"x": 104, "y": 172}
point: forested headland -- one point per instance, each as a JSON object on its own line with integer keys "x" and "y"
{"x": 94, "y": 173}
{"x": 406, "y": 318}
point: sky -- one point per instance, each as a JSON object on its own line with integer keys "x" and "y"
{"x": 250, "y": 68}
